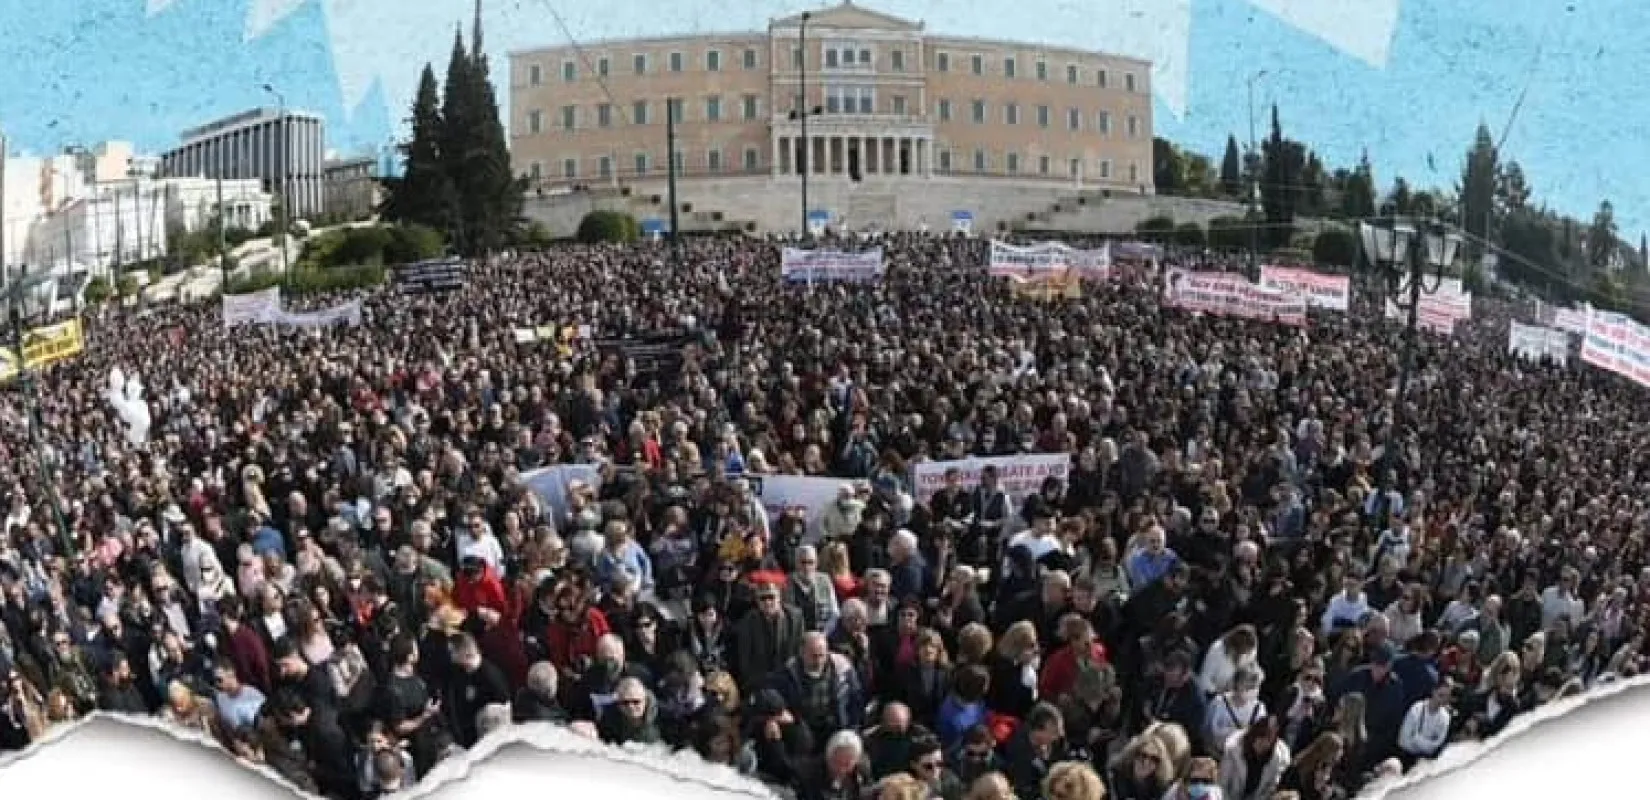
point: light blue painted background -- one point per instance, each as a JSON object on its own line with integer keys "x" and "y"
{"x": 1408, "y": 80}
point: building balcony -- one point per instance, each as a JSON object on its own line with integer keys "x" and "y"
{"x": 827, "y": 124}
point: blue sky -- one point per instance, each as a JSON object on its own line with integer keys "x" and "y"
{"x": 1407, "y": 80}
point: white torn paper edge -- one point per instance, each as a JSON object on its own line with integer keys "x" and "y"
{"x": 97, "y": 749}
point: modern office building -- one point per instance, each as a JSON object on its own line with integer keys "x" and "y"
{"x": 351, "y": 187}
{"x": 889, "y": 100}
{"x": 284, "y": 149}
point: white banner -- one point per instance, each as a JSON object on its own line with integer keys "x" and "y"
{"x": 550, "y": 484}
{"x": 829, "y": 266}
{"x": 348, "y": 313}
{"x": 1046, "y": 258}
{"x": 252, "y": 308}
{"x": 1570, "y": 320}
{"x": 1231, "y": 295}
{"x": 1617, "y": 343}
{"x": 1535, "y": 342}
{"x": 782, "y": 492}
{"x": 1020, "y": 476}
{"x": 1440, "y": 310}
{"x": 1333, "y": 292}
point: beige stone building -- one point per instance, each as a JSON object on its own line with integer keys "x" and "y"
{"x": 889, "y": 102}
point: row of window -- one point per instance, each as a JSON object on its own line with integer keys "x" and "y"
{"x": 642, "y": 163}
{"x": 948, "y": 161}
{"x": 836, "y": 56}
{"x": 838, "y": 100}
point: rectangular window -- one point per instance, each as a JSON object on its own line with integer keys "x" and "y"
{"x": 535, "y": 75}
{"x": 796, "y": 58}
{"x": 604, "y": 115}
{"x": 535, "y": 171}
{"x": 867, "y": 101}
{"x": 1105, "y": 169}
{"x": 1134, "y": 173}
{"x": 713, "y": 161}
{"x": 896, "y": 60}
{"x": 570, "y": 168}
{"x": 675, "y": 62}
{"x": 1043, "y": 165}
{"x": 1071, "y": 73}
{"x": 604, "y": 166}
{"x": 1074, "y": 119}
{"x": 569, "y": 71}
{"x": 831, "y": 56}
{"x": 641, "y": 163}
{"x": 1010, "y": 68}
{"x": 977, "y": 64}
{"x": 713, "y": 61}
{"x": 1042, "y": 117}
{"x": 979, "y": 161}
{"x": 750, "y": 58}
{"x": 1100, "y": 78}
{"x": 864, "y": 57}
{"x": 979, "y": 112}
{"x": 1128, "y": 81}
{"x": 569, "y": 117}
{"x": 899, "y": 104}
{"x": 535, "y": 122}
{"x": 1011, "y": 114}
{"x": 675, "y": 108}
{"x": 638, "y": 63}
{"x": 713, "y": 109}
{"x": 678, "y": 162}
{"x": 1105, "y": 123}
{"x": 1013, "y": 163}
{"x": 1075, "y": 167}
{"x": 833, "y": 103}
{"x": 751, "y": 162}
{"x": 942, "y": 109}
{"x": 1134, "y": 126}
{"x": 942, "y": 62}
{"x": 638, "y": 112}
{"x": 603, "y": 66}
{"x": 945, "y": 161}
{"x": 1042, "y": 70}
{"x": 749, "y": 103}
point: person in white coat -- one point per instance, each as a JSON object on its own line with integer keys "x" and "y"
{"x": 1426, "y": 725}
{"x": 1257, "y": 746}
{"x": 1229, "y": 653}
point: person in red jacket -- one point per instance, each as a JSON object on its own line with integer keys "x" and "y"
{"x": 1082, "y": 651}
{"x": 571, "y": 636}
{"x": 478, "y": 587}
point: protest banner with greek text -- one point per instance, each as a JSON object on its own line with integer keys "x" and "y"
{"x": 1020, "y": 476}
{"x": 1535, "y": 342}
{"x": 831, "y": 266}
{"x": 1231, "y": 295}
{"x": 1333, "y": 292}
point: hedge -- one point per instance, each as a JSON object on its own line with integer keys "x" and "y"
{"x": 609, "y": 226}
{"x": 371, "y": 244}
{"x": 313, "y": 280}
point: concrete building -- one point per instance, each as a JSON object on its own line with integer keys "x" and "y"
{"x": 351, "y": 187}
{"x": 128, "y": 221}
{"x": 284, "y": 149}
{"x": 892, "y": 104}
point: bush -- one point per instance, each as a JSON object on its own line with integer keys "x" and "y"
{"x": 313, "y": 280}
{"x": 609, "y": 226}
{"x": 372, "y": 244}
{"x": 1158, "y": 230}
{"x": 1335, "y": 246}
{"x": 1189, "y": 234}
{"x": 127, "y": 284}
{"x": 409, "y": 243}
{"x": 1229, "y": 233}
{"x": 97, "y": 291}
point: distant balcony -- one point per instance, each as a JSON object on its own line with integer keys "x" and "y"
{"x": 826, "y": 123}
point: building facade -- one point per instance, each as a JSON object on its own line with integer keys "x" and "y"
{"x": 129, "y": 221}
{"x": 284, "y": 149}
{"x": 351, "y": 187}
{"x": 884, "y": 99}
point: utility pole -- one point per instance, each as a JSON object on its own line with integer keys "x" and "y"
{"x": 671, "y": 105}
{"x": 1254, "y": 181}
{"x": 802, "y": 109}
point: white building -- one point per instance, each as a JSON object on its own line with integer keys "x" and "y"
{"x": 131, "y": 220}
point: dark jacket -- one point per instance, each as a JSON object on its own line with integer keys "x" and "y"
{"x": 470, "y": 692}
{"x": 530, "y": 706}
{"x": 762, "y": 646}
{"x": 616, "y": 728}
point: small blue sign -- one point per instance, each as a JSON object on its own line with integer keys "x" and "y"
{"x": 653, "y": 227}
{"x": 958, "y": 216}
{"x": 820, "y": 217}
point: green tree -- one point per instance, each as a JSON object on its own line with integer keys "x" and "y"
{"x": 423, "y": 195}
{"x": 1314, "y": 183}
{"x": 497, "y": 193}
{"x": 608, "y": 226}
{"x": 1189, "y": 234}
{"x": 1168, "y": 166}
{"x": 1283, "y": 162}
{"x": 1479, "y": 181}
{"x": 1512, "y": 190}
{"x": 1159, "y": 229}
{"x": 1400, "y": 201}
{"x": 1601, "y": 236}
{"x": 1231, "y": 169}
{"x": 1228, "y": 233}
{"x": 1358, "y": 194}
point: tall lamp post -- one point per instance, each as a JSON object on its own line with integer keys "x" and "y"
{"x": 673, "y": 106}
{"x": 1410, "y": 257}
{"x": 17, "y": 294}
{"x": 801, "y": 114}
{"x": 1254, "y": 179}
{"x": 285, "y": 166}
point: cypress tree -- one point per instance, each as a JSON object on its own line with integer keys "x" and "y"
{"x": 458, "y": 144}
{"x": 495, "y": 190}
{"x": 423, "y": 193}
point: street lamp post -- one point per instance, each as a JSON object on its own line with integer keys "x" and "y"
{"x": 672, "y": 104}
{"x": 16, "y": 294}
{"x": 802, "y": 113}
{"x": 1410, "y": 258}
{"x": 1254, "y": 179}
{"x": 285, "y": 166}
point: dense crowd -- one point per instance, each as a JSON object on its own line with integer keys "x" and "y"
{"x": 1248, "y": 586}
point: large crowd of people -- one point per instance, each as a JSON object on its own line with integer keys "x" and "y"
{"x": 1264, "y": 576}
